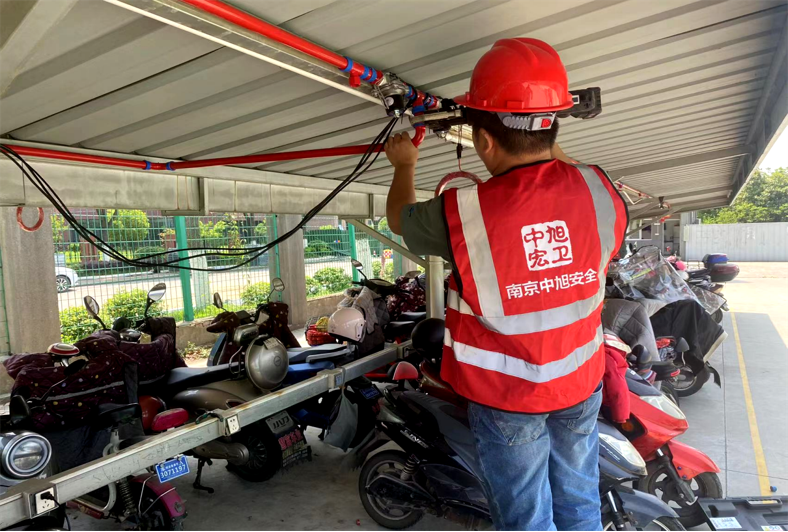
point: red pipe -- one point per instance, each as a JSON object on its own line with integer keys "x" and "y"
{"x": 272, "y": 157}
{"x": 79, "y": 157}
{"x": 360, "y": 149}
{"x": 357, "y": 71}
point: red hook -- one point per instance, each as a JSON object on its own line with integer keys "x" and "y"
{"x": 21, "y": 222}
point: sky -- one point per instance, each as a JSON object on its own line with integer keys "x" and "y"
{"x": 778, "y": 155}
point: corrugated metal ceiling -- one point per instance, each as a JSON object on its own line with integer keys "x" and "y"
{"x": 678, "y": 78}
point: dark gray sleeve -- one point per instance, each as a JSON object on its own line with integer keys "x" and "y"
{"x": 424, "y": 229}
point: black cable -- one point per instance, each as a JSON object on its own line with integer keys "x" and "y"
{"x": 89, "y": 236}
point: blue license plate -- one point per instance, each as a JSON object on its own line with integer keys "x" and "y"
{"x": 172, "y": 468}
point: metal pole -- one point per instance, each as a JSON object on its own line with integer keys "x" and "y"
{"x": 361, "y": 226}
{"x": 276, "y": 253}
{"x": 435, "y": 293}
{"x": 351, "y": 231}
{"x": 186, "y": 279}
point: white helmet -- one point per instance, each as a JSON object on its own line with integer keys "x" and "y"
{"x": 347, "y": 324}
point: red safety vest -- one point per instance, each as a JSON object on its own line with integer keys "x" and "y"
{"x": 530, "y": 250}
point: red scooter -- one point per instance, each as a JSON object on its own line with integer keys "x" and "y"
{"x": 677, "y": 473}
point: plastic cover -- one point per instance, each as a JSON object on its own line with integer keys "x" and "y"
{"x": 646, "y": 274}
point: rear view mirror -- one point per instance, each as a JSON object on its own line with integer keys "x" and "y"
{"x": 277, "y": 284}
{"x": 682, "y": 346}
{"x": 157, "y": 292}
{"x": 217, "y": 301}
{"x": 356, "y": 264}
{"x": 92, "y": 306}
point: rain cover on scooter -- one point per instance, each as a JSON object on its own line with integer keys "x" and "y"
{"x": 646, "y": 274}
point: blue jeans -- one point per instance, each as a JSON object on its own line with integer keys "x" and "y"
{"x": 541, "y": 472}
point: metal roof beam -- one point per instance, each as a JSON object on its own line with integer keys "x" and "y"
{"x": 716, "y": 155}
{"x": 33, "y": 27}
{"x": 770, "y": 118}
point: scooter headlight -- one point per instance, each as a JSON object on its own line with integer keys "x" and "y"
{"x": 625, "y": 449}
{"x": 24, "y": 454}
{"x": 664, "y": 404}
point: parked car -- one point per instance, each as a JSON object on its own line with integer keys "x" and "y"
{"x": 65, "y": 278}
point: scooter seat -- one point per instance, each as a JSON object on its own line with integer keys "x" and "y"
{"x": 182, "y": 378}
{"x": 413, "y": 316}
{"x": 301, "y": 372}
{"x": 399, "y": 329}
{"x": 296, "y": 355}
{"x": 112, "y": 414}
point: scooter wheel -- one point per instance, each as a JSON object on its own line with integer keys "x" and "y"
{"x": 265, "y": 455}
{"x": 669, "y": 391}
{"x": 688, "y": 382}
{"x": 377, "y": 508}
{"x": 705, "y": 485}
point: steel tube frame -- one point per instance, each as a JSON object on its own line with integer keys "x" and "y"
{"x": 364, "y": 228}
{"x": 15, "y": 505}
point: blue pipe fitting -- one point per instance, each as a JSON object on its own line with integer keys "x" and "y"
{"x": 418, "y": 124}
{"x": 367, "y": 74}
{"x": 147, "y": 165}
{"x": 349, "y": 66}
{"x": 419, "y": 109}
{"x": 169, "y": 167}
{"x": 374, "y": 76}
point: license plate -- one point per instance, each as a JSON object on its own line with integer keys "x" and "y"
{"x": 370, "y": 393}
{"x": 280, "y": 422}
{"x": 725, "y": 523}
{"x": 172, "y": 468}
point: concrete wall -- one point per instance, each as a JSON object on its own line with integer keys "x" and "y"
{"x": 29, "y": 282}
{"x": 322, "y": 305}
{"x": 761, "y": 242}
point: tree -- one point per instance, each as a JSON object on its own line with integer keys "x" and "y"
{"x": 59, "y": 227}
{"x": 763, "y": 199}
{"x": 127, "y": 226}
{"x": 383, "y": 225}
{"x": 261, "y": 230}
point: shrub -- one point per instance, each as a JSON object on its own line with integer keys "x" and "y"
{"x": 127, "y": 226}
{"x": 327, "y": 281}
{"x": 255, "y": 294}
{"x": 261, "y": 230}
{"x": 149, "y": 250}
{"x": 131, "y": 305}
{"x": 318, "y": 248}
{"x": 73, "y": 247}
{"x": 59, "y": 227}
{"x": 388, "y": 273}
{"x": 75, "y": 324}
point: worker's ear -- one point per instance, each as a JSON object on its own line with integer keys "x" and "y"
{"x": 483, "y": 142}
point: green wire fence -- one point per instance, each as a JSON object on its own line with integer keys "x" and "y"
{"x": 120, "y": 289}
{"x": 81, "y": 269}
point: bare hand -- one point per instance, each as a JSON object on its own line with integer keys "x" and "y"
{"x": 400, "y": 151}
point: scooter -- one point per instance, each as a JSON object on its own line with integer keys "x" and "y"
{"x": 26, "y": 455}
{"x": 677, "y": 473}
{"x": 438, "y": 471}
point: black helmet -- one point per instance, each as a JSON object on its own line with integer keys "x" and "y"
{"x": 427, "y": 338}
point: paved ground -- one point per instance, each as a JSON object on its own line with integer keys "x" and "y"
{"x": 321, "y": 495}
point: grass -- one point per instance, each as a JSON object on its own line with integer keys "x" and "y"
{"x": 205, "y": 312}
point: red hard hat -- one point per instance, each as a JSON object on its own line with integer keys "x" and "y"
{"x": 518, "y": 76}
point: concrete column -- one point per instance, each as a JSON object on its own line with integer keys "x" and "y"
{"x": 291, "y": 268}
{"x": 29, "y": 282}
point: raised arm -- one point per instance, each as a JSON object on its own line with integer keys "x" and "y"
{"x": 402, "y": 155}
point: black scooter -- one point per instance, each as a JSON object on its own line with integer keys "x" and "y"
{"x": 438, "y": 471}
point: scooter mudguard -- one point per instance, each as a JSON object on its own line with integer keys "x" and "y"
{"x": 643, "y": 507}
{"x": 690, "y": 462}
{"x": 216, "y": 350}
{"x": 166, "y": 493}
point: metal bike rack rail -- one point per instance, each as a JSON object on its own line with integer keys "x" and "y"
{"x": 18, "y": 503}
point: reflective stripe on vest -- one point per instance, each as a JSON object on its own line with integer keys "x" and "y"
{"x": 484, "y": 275}
{"x": 517, "y": 367}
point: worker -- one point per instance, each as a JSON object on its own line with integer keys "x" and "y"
{"x": 529, "y": 250}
